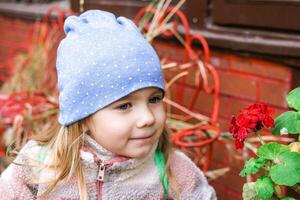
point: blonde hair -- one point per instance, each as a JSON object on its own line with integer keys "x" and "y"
{"x": 64, "y": 143}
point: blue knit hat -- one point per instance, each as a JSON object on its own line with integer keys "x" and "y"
{"x": 102, "y": 59}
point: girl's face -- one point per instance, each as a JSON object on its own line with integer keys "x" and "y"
{"x": 132, "y": 125}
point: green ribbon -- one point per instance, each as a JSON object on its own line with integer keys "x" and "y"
{"x": 42, "y": 154}
{"x": 159, "y": 160}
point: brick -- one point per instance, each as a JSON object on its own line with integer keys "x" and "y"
{"x": 274, "y": 93}
{"x": 205, "y": 102}
{"x": 173, "y": 53}
{"x": 15, "y": 32}
{"x": 236, "y": 182}
{"x": 260, "y": 67}
{"x": 205, "y": 105}
{"x": 233, "y": 105}
{"x": 181, "y": 94}
{"x": 173, "y": 92}
{"x": 194, "y": 76}
{"x": 169, "y": 50}
{"x": 220, "y": 60}
{"x": 223, "y": 124}
{"x": 224, "y": 152}
{"x": 190, "y": 78}
{"x": 236, "y": 85}
{"x": 225, "y": 106}
{"x": 16, "y": 39}
{"x": 224, "y": 193}
{"x": 15, "y": 24}
{"x": 169, "y": 73}
{"x": 220, "y": 153}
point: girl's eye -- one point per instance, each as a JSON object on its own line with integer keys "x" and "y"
{"x": 124, "y": 106}
{"x": 155, "y": 99}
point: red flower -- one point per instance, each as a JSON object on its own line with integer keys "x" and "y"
{"x": 251, "y": 119}
{"x": 239, "y": 144}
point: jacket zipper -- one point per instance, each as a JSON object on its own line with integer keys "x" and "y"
{"x": 103, "y": 165}
{"x": 100, "y": 179}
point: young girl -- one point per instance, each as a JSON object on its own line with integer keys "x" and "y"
{"x": 113, "y": 143}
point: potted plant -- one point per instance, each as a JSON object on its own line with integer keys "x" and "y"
{"x": 277, "y": 164}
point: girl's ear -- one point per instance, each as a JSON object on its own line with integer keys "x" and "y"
{"x": 85, "y": 128}
{"x": 85, "y": 125}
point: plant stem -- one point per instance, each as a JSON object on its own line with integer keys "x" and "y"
{"x": 278, "y": 191}
{"x": 275, "y": 197}
{"x": 260, "y": 139}
{"x": 296, "y": 188}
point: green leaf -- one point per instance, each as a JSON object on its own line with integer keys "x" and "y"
{"x": 264, "y": 187}
{"x": 249, "y": 192}
{"x": 293, "y": 99}
{"x": 288, "y": 198}
{"x": 287, "y": 122}
{"x": 252, "y": 166}
{"x": 271, "y": 150}
{"x": 286, "y": 171}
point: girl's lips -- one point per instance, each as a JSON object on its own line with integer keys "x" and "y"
{"x": 141, "y": 138}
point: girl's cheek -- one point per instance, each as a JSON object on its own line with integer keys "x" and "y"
{"x": 162, "y": 116}
{"x": 119, "y": 129}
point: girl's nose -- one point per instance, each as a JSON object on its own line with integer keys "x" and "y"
{"x": 145, "y": 118}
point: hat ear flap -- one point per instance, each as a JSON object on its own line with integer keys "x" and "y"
{"x": 72, "y": 24}
{"x": 128, "y": 24}
{"x": 98, "y": 18}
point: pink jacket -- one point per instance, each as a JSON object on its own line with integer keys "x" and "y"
{"x": 107, "y": 177}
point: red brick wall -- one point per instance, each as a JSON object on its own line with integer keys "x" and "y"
{"x": 13, "y": 32}
{"x": 244, "y": 80}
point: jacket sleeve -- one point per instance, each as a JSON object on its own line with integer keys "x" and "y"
{"x": 190, "y": 179}
{"x": 16, "y": 181}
